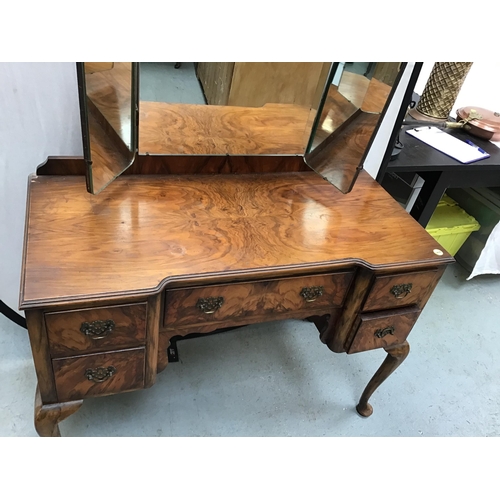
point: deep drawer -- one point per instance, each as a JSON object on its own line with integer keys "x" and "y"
{"x": 382, "y": 329}
{"x": 91, "y": 330}
{"x": 251, "y": 301}
{"x": 80, "y": 377}
{"x": 399, "y": 290}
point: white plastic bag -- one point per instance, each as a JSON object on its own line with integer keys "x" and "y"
{"x": 489, "y": 260}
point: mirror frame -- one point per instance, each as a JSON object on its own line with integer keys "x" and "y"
{"x": 85, "y": 125}
{"x": 311, "y": 156}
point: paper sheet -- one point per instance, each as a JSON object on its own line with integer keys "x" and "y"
{"x": 447, "y": 144}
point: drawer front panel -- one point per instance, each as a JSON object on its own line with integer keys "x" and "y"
{"x": 91, "y": 330}
{"x": 401, "y": 290}
{"x": 262, "y": 300}
{"x": 99, "y": 374}
{"x": 382, "y": 329}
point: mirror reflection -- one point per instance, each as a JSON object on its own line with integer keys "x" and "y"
{"x": 218, "y": 108}
{"x": 350, "y": 109}
{"x": 109, "y": 119}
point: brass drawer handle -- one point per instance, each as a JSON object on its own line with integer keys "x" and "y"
{"x": 382, "y": 332}
{"x": 100, "y": 374}
{"x": 311, "y": 293}
{"x": 401, "y": 291}
{"x": 210, "y": 304}
{"x": 97, "y": 329}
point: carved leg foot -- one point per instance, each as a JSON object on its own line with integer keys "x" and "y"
{"x": 47, "y": 417}
{"x": 395, "y": 356}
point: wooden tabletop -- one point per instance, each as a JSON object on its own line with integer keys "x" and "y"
{"x": 143, "y": 232}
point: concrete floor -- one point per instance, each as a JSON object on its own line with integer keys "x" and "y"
{"x": 162, "y": 82}
{"x": 278, "y": 379}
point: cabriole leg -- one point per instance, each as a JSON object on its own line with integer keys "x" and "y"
{"x": 47, "y": 417}
{"x": 395, "y": 356}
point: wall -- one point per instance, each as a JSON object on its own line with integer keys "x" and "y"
{"x": 39, "y": 117}
{"x": 480, "y": 87}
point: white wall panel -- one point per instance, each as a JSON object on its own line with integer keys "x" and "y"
{"x": 39, "y": 117}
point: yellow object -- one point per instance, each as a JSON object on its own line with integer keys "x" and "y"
{"x": 450, "y": 225}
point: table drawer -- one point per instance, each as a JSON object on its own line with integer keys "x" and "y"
{"x": 399, "y": 290}
{"x": 382, "y": 329}
{"x": 80, "y": 377}
{"x": 262, "y": 300}
{"x": 91, "y": 330}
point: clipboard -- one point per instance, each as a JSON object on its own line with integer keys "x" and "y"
{"x": 451, "y": 146}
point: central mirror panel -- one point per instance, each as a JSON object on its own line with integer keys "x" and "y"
{"x": 352, "y": 106}
{"x": 228, "y": 108}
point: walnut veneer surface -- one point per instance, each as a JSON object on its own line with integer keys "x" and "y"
{"x": 173, "y": 129}
{"x": 111, "y": 282}
{"x": 143, "y": 232}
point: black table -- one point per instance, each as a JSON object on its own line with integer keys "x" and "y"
{"x": 441, "y": 172}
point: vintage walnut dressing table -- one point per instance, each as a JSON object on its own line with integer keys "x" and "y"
{"x": 212, "y": 239}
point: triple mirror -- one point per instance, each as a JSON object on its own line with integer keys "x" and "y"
{"x": 325, "y": 112}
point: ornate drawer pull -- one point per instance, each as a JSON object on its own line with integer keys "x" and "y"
{"x": 210, "y": 304}
{"x": 310, "y": 294}
{"x": 100, "y": 374}
{"x": 401, "y": 291}
{"x": 97, "y": 329}
{"x": 382, "y": 332}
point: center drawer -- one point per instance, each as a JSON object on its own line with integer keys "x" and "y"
{"x": 262, "y": 300}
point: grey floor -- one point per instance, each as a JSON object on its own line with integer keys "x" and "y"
{"x": 278, "y": 379}
{"x": 162, "y": 82}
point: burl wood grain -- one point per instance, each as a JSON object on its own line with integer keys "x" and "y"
{"x": 147, "y": 231}
{"x": 187, "y": 165}
{"x": 192, "y": 129}
{"x": 253, "y": 302}
{"x": 72, "y": 383}
{"x": 367, "y": 324}
{"x": 336, "y": 338}
{"x": 66, "y": 338}
{"x": 395, "y": 356}
{"x": 221, "y": 164}
{"x": 381, "y": 297}
{"x": 48, "y": 416}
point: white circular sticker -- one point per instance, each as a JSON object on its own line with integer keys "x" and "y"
{"x": 438, "y": 252}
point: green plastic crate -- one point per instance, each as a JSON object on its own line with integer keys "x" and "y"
{"x": 450, "y": 225}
